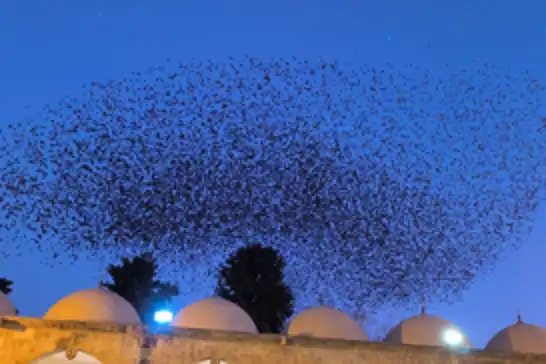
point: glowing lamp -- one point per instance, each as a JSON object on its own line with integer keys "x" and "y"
{"x": 453, "y": 337}
{"x": 163, "y": 316}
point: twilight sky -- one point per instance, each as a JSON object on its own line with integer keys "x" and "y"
{"x": 49, "y": 48}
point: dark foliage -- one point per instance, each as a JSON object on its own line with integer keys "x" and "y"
{"x": 377, "y": 184}
{"x": 253, "y": 278}
{"x": 135, "y": 280}
{"x": 5, "y": 285}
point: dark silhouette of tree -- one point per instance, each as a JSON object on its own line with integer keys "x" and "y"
{"x": 5, "y": 285}
{"x": 422, "y": 178}
{"x": 136, "y": 281}
{"x": 253, "y": 278}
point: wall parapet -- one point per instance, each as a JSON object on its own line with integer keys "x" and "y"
{"x": 23, "y": 340}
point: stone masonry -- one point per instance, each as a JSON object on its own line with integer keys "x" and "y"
{"x": 26, "y": 340}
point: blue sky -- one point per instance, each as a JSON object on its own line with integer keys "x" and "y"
{"x": 48, "y": 49}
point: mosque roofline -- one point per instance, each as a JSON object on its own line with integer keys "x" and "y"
{"x": 14, "y": 322}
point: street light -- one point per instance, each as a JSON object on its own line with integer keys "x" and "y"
{"x": 453, "y": 337}
{"x": 163, "y": 316}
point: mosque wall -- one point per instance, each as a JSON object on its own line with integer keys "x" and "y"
{"x": 191, "y": 347}
{"x": 23, "y": 340}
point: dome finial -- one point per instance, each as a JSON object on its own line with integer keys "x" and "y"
{"x": 321, "y": 299}
{"x": 519, "y": 320}
{"x": 423, "y": 306}
{"x": 102, "y": 278}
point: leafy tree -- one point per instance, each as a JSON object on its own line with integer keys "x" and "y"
{"x": 402, "y": 182}
{"x": 136, "y": 281}
{"x": 5, "y": 285}
{"x": 253, "y": 278}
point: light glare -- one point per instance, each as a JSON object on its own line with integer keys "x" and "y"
{"x": 453, "y": 337}
{"x": 163, "y": 317}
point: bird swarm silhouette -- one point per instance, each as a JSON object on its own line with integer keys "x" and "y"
{"x": 378, "y": 185}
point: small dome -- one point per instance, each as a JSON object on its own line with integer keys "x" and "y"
{"x": 325, "y": 322}
{"x": 519, "y": 338}
{"x": 428, "y": 330}
{"x": 94, "y": 305}
{"x": 6, "y": 308}
{"x": 215, "y": 313}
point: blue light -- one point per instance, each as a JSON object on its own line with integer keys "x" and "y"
{"x": 163, "y": 316}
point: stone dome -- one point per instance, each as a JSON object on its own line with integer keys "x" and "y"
{"x": 6, "y": 307}
{"x": 215, "y": 313}
{"x": 428, "y": 330}
{"x": 94, "y": 305}
{"x": 325, "y": 322}
{"x": 519, "y": 338}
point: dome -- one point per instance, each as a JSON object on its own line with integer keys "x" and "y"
{"x": 6, "y": 308}
{"x": 520, "y": 338}
{"x": 215, "y": 313}
{"x": 325, "y": 322}
{"x": 94, "y": 305}
{"x": 428, "y": 330}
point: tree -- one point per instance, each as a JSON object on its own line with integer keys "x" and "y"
{"x": 5, "y": 285}
{"x": 403, "y": 182}
{"x": 135, "y": 280}
{"x": 253, "y": 278}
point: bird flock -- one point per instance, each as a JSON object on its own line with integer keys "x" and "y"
{"x": 377, "y": 184}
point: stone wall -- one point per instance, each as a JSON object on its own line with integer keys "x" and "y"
{"x": 23, "y": 340}
{"x": 190, "y": 347}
